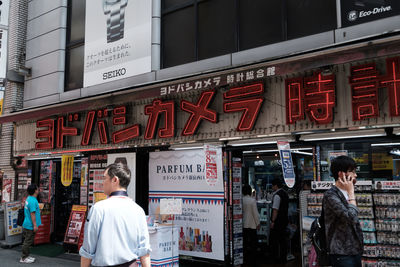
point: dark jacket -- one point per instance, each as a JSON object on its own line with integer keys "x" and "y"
{"x": 282, "y": 219}
{"x": 342, "y": 227}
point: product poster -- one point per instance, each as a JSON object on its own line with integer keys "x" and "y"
{"x": 97, "y": 166}
{"x": 129, "y": 160}
{"x": 382, "y": 162}
{"x": 11, "y": 218}
{"x": 182, "y": 175}
{"x": 67, "y": 166}
{"x": 117, "y": 40}
{"x": 46, "y": 167}
{"x": 6, "y": 192}
{"x": 75, "y": 224}
{"x": 84, "y": 171}
{"x": 287, "y": 163}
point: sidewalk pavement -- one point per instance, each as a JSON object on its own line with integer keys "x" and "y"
{"x": 10, "y": 258}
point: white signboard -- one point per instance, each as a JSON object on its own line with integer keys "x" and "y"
{"x": 181, "y": 174}
{"x": 170, "y": 206}
{"x": 117, "y": 40}
{"x": 128, "y": 159}
{"x": 11, "y": 218}
{"x": 4, "y": 12}
{"x": 3, "y": 53}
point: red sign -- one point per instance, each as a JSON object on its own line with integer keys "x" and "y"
{"x": 246, "y": 99}
{"x": 75, "y": 224}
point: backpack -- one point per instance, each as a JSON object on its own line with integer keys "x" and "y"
{"x": 318, "y": 240}
{"x": 21, "y": 216}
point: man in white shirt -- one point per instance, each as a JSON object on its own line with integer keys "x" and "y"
{"x": 251, "y": 223}
{"x": 116, "y": 231}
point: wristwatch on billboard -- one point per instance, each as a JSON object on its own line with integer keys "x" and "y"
{"x": 115, "y": 12}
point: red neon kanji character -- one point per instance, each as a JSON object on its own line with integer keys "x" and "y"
{"x": 47, "y": 135}
{"x": 198, "y": 112}
{"x": 250, "y": 106}
{"x": 294, "y": 100}
{"x": 319, "y": 92}
{"x": 127, "y": 133}
{"x": 364, "y": 91}
{"x": 154, "y": 111}
{"x": 63, "y": 131}
{"x": 101, "y": 126}
{"x": 392, "y": 82}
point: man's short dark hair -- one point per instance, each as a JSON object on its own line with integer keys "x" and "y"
{"x": 121, "y": 171}
{"x": 342, "y": 163}
{"x": 278, "y": 182}
{"x": 31, "y": 189}
{"x": 246, "y": 190}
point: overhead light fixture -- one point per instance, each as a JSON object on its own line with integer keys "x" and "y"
{"x": 230, "y": 138}
{"x": 395, "y": 152}
{"x": 344, "y": 135}
{"x": 187, "y": 146}
{"x": 293, "y": 150}
{"x": 386, "y": 144}
{"x": 396, "y": 131}
{"x": 261, "y": 141}
{"x": 302, "y": 153}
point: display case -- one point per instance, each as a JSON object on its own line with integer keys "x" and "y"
{"x": 264, "y": 209}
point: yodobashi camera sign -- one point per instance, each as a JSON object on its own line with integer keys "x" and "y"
{"x": 117, "y": 40}
{"x": 360, "y": 11}
{"x": 287, "y": 163}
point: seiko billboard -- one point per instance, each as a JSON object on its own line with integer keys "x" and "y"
{"x": 360, "y": 11}
{"x": 117, "y": 40}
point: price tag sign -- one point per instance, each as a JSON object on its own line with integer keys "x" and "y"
{"x": 387, "y": 185}
{"x": 171, "y": 206}
{"x": 321, "y": 185}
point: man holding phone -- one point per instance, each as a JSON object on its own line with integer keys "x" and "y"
{"x": 342, "y": 227}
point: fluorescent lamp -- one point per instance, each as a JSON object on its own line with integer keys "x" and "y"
{"x": 386, "y": 144}
{"x": 230, "y": 138}
{"x": 261, "y": 141}
{"x": 302, "y": 153}
{"x": 344, "y": 135}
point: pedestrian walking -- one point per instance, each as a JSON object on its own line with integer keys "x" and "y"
{"x": 342, "y": 227}
{"x": 116, "y": 231}
{"x": 31, "y": 222}
{"x": 251, "y": 223}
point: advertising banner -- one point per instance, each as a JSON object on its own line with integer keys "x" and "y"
{"x": 6, "y": 191}
{"x": 3, "y": 53}
{"x": 11, "y": 218}
{"x": 287, "y": 163}
{"x": 4, "y": 12}
{"x": 182, "y": 175}
{"x": 360, "y": 11}
{"x": 129, "y": 160}
{"x": 117, "y": 40}
{"x": 97, "y": 165}
{"x": 75, "y": 224}
{"x": 67, "y": 165}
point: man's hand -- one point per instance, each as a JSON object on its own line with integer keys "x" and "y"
{"x": 85, "y": 262}
{"x": 145, "y": 260}
{"x": 35, "y": 228}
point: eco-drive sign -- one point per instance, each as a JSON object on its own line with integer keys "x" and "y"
{"x": 360, "y": 11}
{"x": 117, "y": 40}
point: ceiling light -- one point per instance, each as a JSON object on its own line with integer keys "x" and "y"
{"x": 386, "y": 144}
{"x": 343, "y": 135}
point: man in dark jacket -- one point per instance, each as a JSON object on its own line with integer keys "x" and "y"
{"x": 342, "y": 227}
{"x": 279, "y": 221}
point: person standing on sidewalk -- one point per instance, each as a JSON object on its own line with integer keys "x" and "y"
{"x": 31, "y": 223}
{"x": 116, "y": 231}
{"x": 342, "y": 226}
{"x": 279, "y": 221}
{"x": 251, "y": 223}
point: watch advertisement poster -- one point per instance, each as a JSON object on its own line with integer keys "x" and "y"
{"x": 182, "y": 175}
{"x": 359, "y": 11}
{"x": 129, "y": 161}
{"x": 117, "y": 40}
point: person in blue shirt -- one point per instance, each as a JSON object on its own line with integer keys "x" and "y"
{"x": 31, "y": 223}
{"x": 116, "y": 231}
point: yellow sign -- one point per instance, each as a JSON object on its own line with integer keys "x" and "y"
{"x": 381, "y": 161}
{"x": 99, "y": 196}
{"x": 1, "y": 106}
{"x": 79, "y": 208}
{"x": 67, "y": 168}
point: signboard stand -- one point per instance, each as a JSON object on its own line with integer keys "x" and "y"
{"x": 12, "y": 232}
{"x": 73, "y": 234}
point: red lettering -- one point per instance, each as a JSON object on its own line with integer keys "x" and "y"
{"x": 364, "y": 88}
{"x": 47, "y": 135}
{"x": 119, "y": 118}
{"x": 154, "y": 111}
{"x": 63, "y": 131}
{"x": 198, "y": 112}
{"x": 250, "y": 106}
{"x": 392, "y": 82}
{"x": 294, "y": 100}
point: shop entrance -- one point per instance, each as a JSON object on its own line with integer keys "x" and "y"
{"x": 64, "y": 198}
{"x": 260, "y": 167}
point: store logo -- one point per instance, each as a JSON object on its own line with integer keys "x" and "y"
{"x": 352, "y": 16}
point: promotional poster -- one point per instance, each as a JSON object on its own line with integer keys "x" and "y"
{"x": 129, "y": 160}
{"x": 182, "y": 175}
{"x": 11, "y": 218}
{"x": 117, "y": 40}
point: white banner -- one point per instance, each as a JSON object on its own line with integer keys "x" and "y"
{"x": 117, "y": 40}
{"x": 181, "y": 174}
{"x": 3, "y": 53}
{"x": 128, "y": 159}
{"x": 4, "y": 12}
